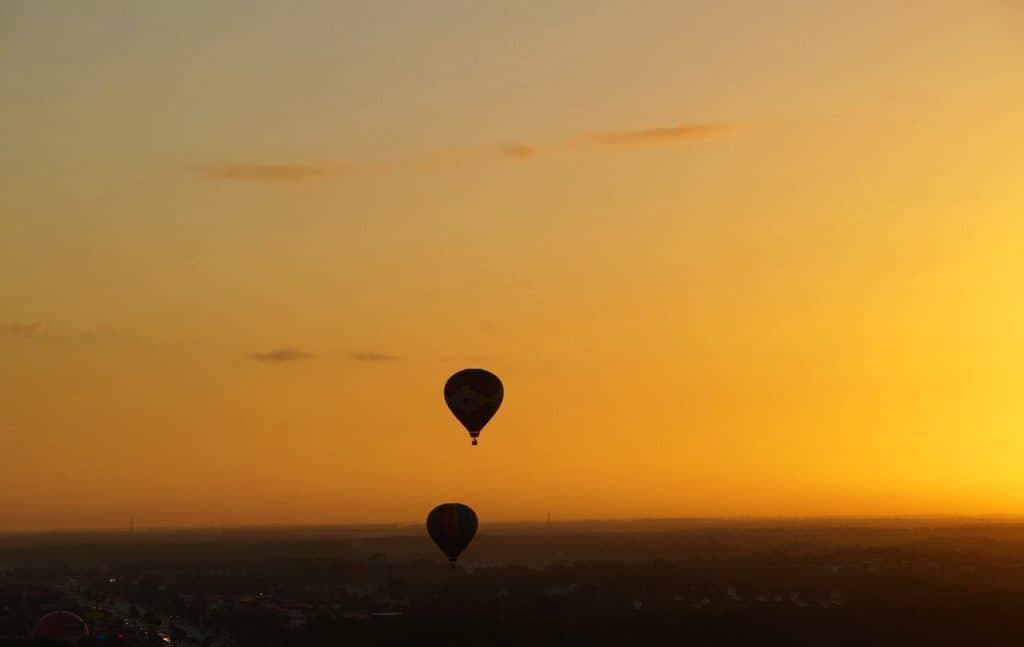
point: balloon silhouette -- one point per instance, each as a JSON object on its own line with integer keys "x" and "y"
{"x": 452, "y": 526}
{"x": 61, "y": 626}
{"x": 474, "y": 396}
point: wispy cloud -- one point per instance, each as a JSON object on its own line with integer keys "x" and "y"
{"x": 25, "y": 329}
{"x": 286, "y": 355}
{"x": 651, "y": 136}
{"x": 519, "y": 151}
{"x": 281, "y": 356}
{"x": 624, "y": 139}
{"x": 51, "y": 332}
{"x": 371, "y": 356}
{"x": 267, "y": 173}
{"x": 270, "y": 173}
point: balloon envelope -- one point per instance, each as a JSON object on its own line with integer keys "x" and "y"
{"x": 61, "y": 626}
{"x": 474, "y": 396}
{"x": 452, "y": 526}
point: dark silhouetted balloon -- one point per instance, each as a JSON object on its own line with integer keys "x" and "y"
{"x": 452, "y": 526}
{"x": 62, "y": 626}
{"x": 474, "y": 396}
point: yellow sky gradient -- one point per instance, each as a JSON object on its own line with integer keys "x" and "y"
{"x": 727, "y": 261}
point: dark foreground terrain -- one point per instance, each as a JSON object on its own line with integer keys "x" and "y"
{"x": 673, "y": 582}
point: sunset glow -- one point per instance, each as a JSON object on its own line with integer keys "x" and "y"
{"x": 728, "y": 260}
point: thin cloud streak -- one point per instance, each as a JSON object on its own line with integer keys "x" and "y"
{"x": 519, "y": 151}
{"x": 449, "y": 157}
{"x": 288, "y": 355}
{"x": 626, "y": 139}
{"x": 371, "y": 356}
{"x": 52, "y": 333}
{"x": 267, "y": 173}
{"x": 651, "y": 136}
{"x": 281, "y": 356}
{"x": 25, "y": 330}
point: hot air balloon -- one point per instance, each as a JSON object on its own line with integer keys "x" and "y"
{"x": 452, "y": 527}
{"x": 62, "y": 626}
{"x": 474, "y": 396}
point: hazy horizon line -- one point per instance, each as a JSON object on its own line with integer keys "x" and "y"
{"x": 951, "y": 518}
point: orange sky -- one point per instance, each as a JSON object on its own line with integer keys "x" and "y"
{"x": 728, "y": 261}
